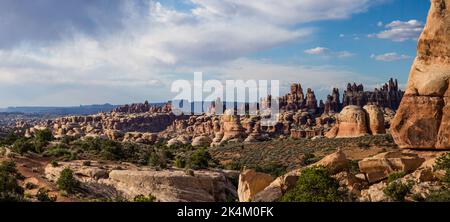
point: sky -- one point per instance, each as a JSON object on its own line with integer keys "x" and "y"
{"x": 72, "y": 52}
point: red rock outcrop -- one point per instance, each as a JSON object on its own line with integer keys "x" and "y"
{"x": 423, "y": 119}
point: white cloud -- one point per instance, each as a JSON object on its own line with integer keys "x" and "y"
{"x": 317, "y": 51}
{"x": 328, "y": 53}
{"x": 380, "y": 24}
{"x": 152, "y": 44}
{"x": 400, "y": 31}
{"x": 390, "y": 57}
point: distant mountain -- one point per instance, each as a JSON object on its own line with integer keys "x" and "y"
{"x": 73, "y": 110}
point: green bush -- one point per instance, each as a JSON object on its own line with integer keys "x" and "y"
{"x": 22, "y": 146}
{"x": 54, "y": 163}
{"x": 395, "y": 175}
{"x": 180, "y": 162}
{"x": 142, "y": 198}
{"x": 43, "y": 135}
{"x": 67, "y": 181}
{"x": 157, "y": 160}
{"x": 273, "y": 169}
{"x": 9, "y": 139}
{"x": 309, "y": 158}
{"x": 42, "y": 196}
{"x": 443, "y": 163}
{"x": 200, "y": 159}
{"x": 9, "y": 188}
{"x": 397, "y": 191}
{"x": 59, "y": 150}
{"x": 315, "y": 185}
{"x": 441, "y": 195}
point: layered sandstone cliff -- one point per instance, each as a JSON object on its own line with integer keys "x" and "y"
{"x": 423, "y": 119}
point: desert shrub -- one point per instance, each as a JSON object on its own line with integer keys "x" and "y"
{"x": 395, "y": 175}
{"x": 315, "y": 185}
{"x": 42, "y": 196}
{"x": 273, "y": 169}
{"x": 43, "y": 135}
{"x": 353, "y": 166}
{"x": 309, "y": 158}
{"x": 54, "y": 163}
{"x": 67, "y": 139}
{"x": 86, "y": 163}
{"x": 22, "y": 146}
{"x": 397, "y": 191}
{"x": 200, "y": 159}
{"x": 30, "y": 186}
{"x": 58, "y": 150}
{"x": 157, "y": 159}
{"x": 67, "y": 181}
{"x": 443, "y": 163}
{"x": 9, "y": 188}
{"x": 180, "y": 162}
{"x": 9, "y": 139}
{"x": 111, "y": 150}
{"x": 142, "y": 198}
{"x": 441, "y": 195}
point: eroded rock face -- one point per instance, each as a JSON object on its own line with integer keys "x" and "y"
{"x": 201, "y": 141}
{"x": 352, "y": 122}
{"x": 252, "y": 182}
{"x": 423, "y": 119}
{"x": 232, "y": 128}
{"x": 375, "y": 119}
{"x": 380, "y": 166}
{"x": 335, "y": 162}
{"x": 128, "y": 181}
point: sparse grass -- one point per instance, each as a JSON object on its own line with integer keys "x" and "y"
{"x": 291, "y": 153}
{"x": 394, "y": 176}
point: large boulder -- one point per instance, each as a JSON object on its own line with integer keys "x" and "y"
{"x": 201, "y": 141}
{"x": 252, "y": 182}
{"x": 423, "y": 118}
{"x": 351, "y": 122}
{"x": 335, "y": 162}
{"x": 375, "y": 119}
{"x": 380, "y": 166}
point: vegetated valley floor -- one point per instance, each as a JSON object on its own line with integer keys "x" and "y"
{"x": 290, "y": 153}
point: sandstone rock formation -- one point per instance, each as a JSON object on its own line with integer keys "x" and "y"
{"x": 351, "y": 122}
{"x": 380, "y": 166}
{"x": 128, "y": 181}
{"x": 201, "y": 141}
{"x": 388, "y": 96}
{"x": 423, "y": 119}
{"x": 336, "y": 162}
{"x": 252, "y": 182}
{"x": 375, "y": 119}
{"x": 232, "y": 128}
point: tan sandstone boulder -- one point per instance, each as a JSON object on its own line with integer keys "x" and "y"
{"x": 375, "y": 119}
{"x": 380, "y": 166}
{"x": 201, "y": 141}
{"x": 351, "y": 122}
{"x": 252, "y": 182}
{"x": 423, "y": 119}
{"x": 336, "y": 162}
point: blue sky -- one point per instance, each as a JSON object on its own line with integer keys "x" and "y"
{"x": 83, "y": 52}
